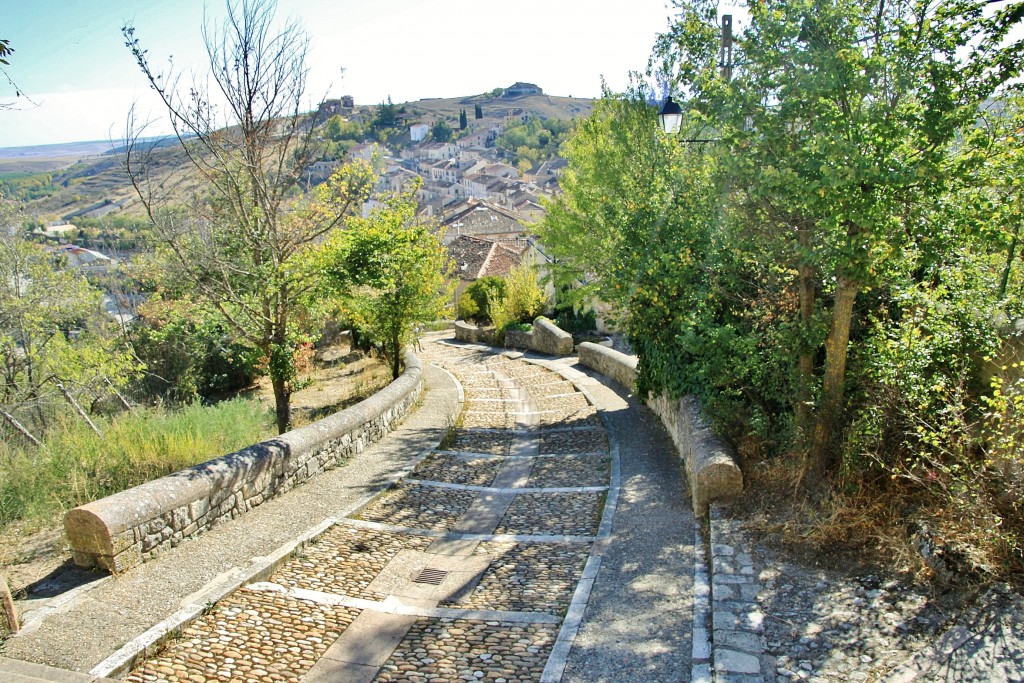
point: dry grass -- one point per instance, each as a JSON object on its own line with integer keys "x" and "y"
{"x": 859, "y": 521}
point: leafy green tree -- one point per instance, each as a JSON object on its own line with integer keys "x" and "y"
{"x": 390, "y": 272}
{"x": 478, "y": 111}
{"x": 476, "y": 302}
{"x": 55, "y": 340}
{"x": 386, "y": 116}
{"x": 522, "y": 302}
{"x": 235, "y": 240}
{"x": 463, "y": 121}
{"x": 836, "y": 132}
{"x": 440, "y": 131}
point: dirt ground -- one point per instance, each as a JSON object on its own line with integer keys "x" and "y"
{"x": 338, "y": 378}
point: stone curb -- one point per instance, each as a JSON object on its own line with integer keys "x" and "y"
{"x": 737, "y": 623}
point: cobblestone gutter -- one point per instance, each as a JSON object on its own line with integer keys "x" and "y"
{"x": 123, "y": 530}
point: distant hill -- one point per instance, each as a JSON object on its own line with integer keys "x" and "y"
{"x": 66, "y": 149}
{"x": 89, "y": 173}
{"x": 544, "y": 106}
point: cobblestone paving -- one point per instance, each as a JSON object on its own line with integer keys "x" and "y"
{"x": 249, "y": 636}
{"x": 568, "y": 403}
{"x": 345, "y": 560}
{"x": 452, "y": 469}
{"x": 586, "y": 417}
{"x": 423, "y": 507}
{"x": 573, "y": 514}
{"x": 264, "y": 636}
{"x": 529, "y": 577}
{"x": 573, "y": 442}
{"x": 558, "y": 387}
{"x": 470, "y": 650}
{"x": 476, "y": 441}
{"x": 570, "y": 470}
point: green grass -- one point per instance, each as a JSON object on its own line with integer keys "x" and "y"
{"x": 76, "y": 466}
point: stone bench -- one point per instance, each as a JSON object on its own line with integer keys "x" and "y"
{"x": 127, "y": 528}
{"x": 711, "y": 466}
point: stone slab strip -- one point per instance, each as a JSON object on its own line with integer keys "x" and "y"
{"x": 123, "y": 530}
{"x": 737, "y": 622}
{"x": 394, "y": 606}
{"x": 711, "y": 466}
{"x": 15, "y": 671}
{"x": 505, "y": 489}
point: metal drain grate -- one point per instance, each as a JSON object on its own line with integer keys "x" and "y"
{"x": 430, "y": 575}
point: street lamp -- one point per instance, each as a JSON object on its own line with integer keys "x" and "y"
{"x": 670, "y": 116}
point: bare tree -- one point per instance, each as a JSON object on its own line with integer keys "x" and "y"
{"x": 235, "y": 224}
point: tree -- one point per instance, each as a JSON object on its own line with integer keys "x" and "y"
{"x": 837, "y": 130}
{"x": 390, "y": 271}
{"x": 463, "y": 122}
{"x": 5, "y": 52}
{"x": 386, "y": 117}
{"x": 54, "y": 341}
{"x": 440, "y": 131}
{"x": 478, "y": 111}
{"x": 235, "y": 238}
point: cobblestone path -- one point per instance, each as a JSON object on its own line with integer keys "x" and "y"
{"x": 464, "y": 571}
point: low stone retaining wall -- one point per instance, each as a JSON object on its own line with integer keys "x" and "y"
{"x": 545, "y": 337}
{"x": 127, "y": 528}
{"x": 468, "y": 332}
{"x": 710, "y": 464}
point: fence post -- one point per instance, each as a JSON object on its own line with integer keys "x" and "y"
{"x": 19, "y": 428}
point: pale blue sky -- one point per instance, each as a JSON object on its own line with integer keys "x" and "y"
{"x": 71, "y": 60}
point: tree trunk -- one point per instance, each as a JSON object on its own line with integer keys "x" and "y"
{"x": 805, "y": 365}
{"x": 836, "y": 347}
{"x": 78, "y": 409}
{"x": 396, "y": 354}
{"x": 8, "y": 605}
{"x": 282, "y": 404}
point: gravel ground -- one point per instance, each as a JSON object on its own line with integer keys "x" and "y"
{"x": 830, "y": 625}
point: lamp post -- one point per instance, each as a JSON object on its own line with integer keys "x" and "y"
{"x": 670, "y": 116}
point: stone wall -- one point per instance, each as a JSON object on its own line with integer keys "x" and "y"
{"x": 544, "y": 337}
{"x": 127, "y": 528}
{"x": 468, "y": 332}
{"x": 710, "y": 464}
{"x": 610, "y": 363}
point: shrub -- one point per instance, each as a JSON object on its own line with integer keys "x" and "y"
{"x": 523, "y": 301}
{"x": 479, "y": 298}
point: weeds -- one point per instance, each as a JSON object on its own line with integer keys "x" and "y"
{"x": 76, "y": 466}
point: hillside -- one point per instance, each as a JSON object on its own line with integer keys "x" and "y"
{"x": 80, "y": 177}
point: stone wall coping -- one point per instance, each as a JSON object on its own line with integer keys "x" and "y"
{"x": 711, "y": 465}
{"x": 98, "y": 529}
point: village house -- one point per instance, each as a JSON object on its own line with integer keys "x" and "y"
{"x": 418, "y": 132}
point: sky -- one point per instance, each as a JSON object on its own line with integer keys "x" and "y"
{"x": 70, "y": 57}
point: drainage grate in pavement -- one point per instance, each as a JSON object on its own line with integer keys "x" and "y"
{"x": 431, "y": 575}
